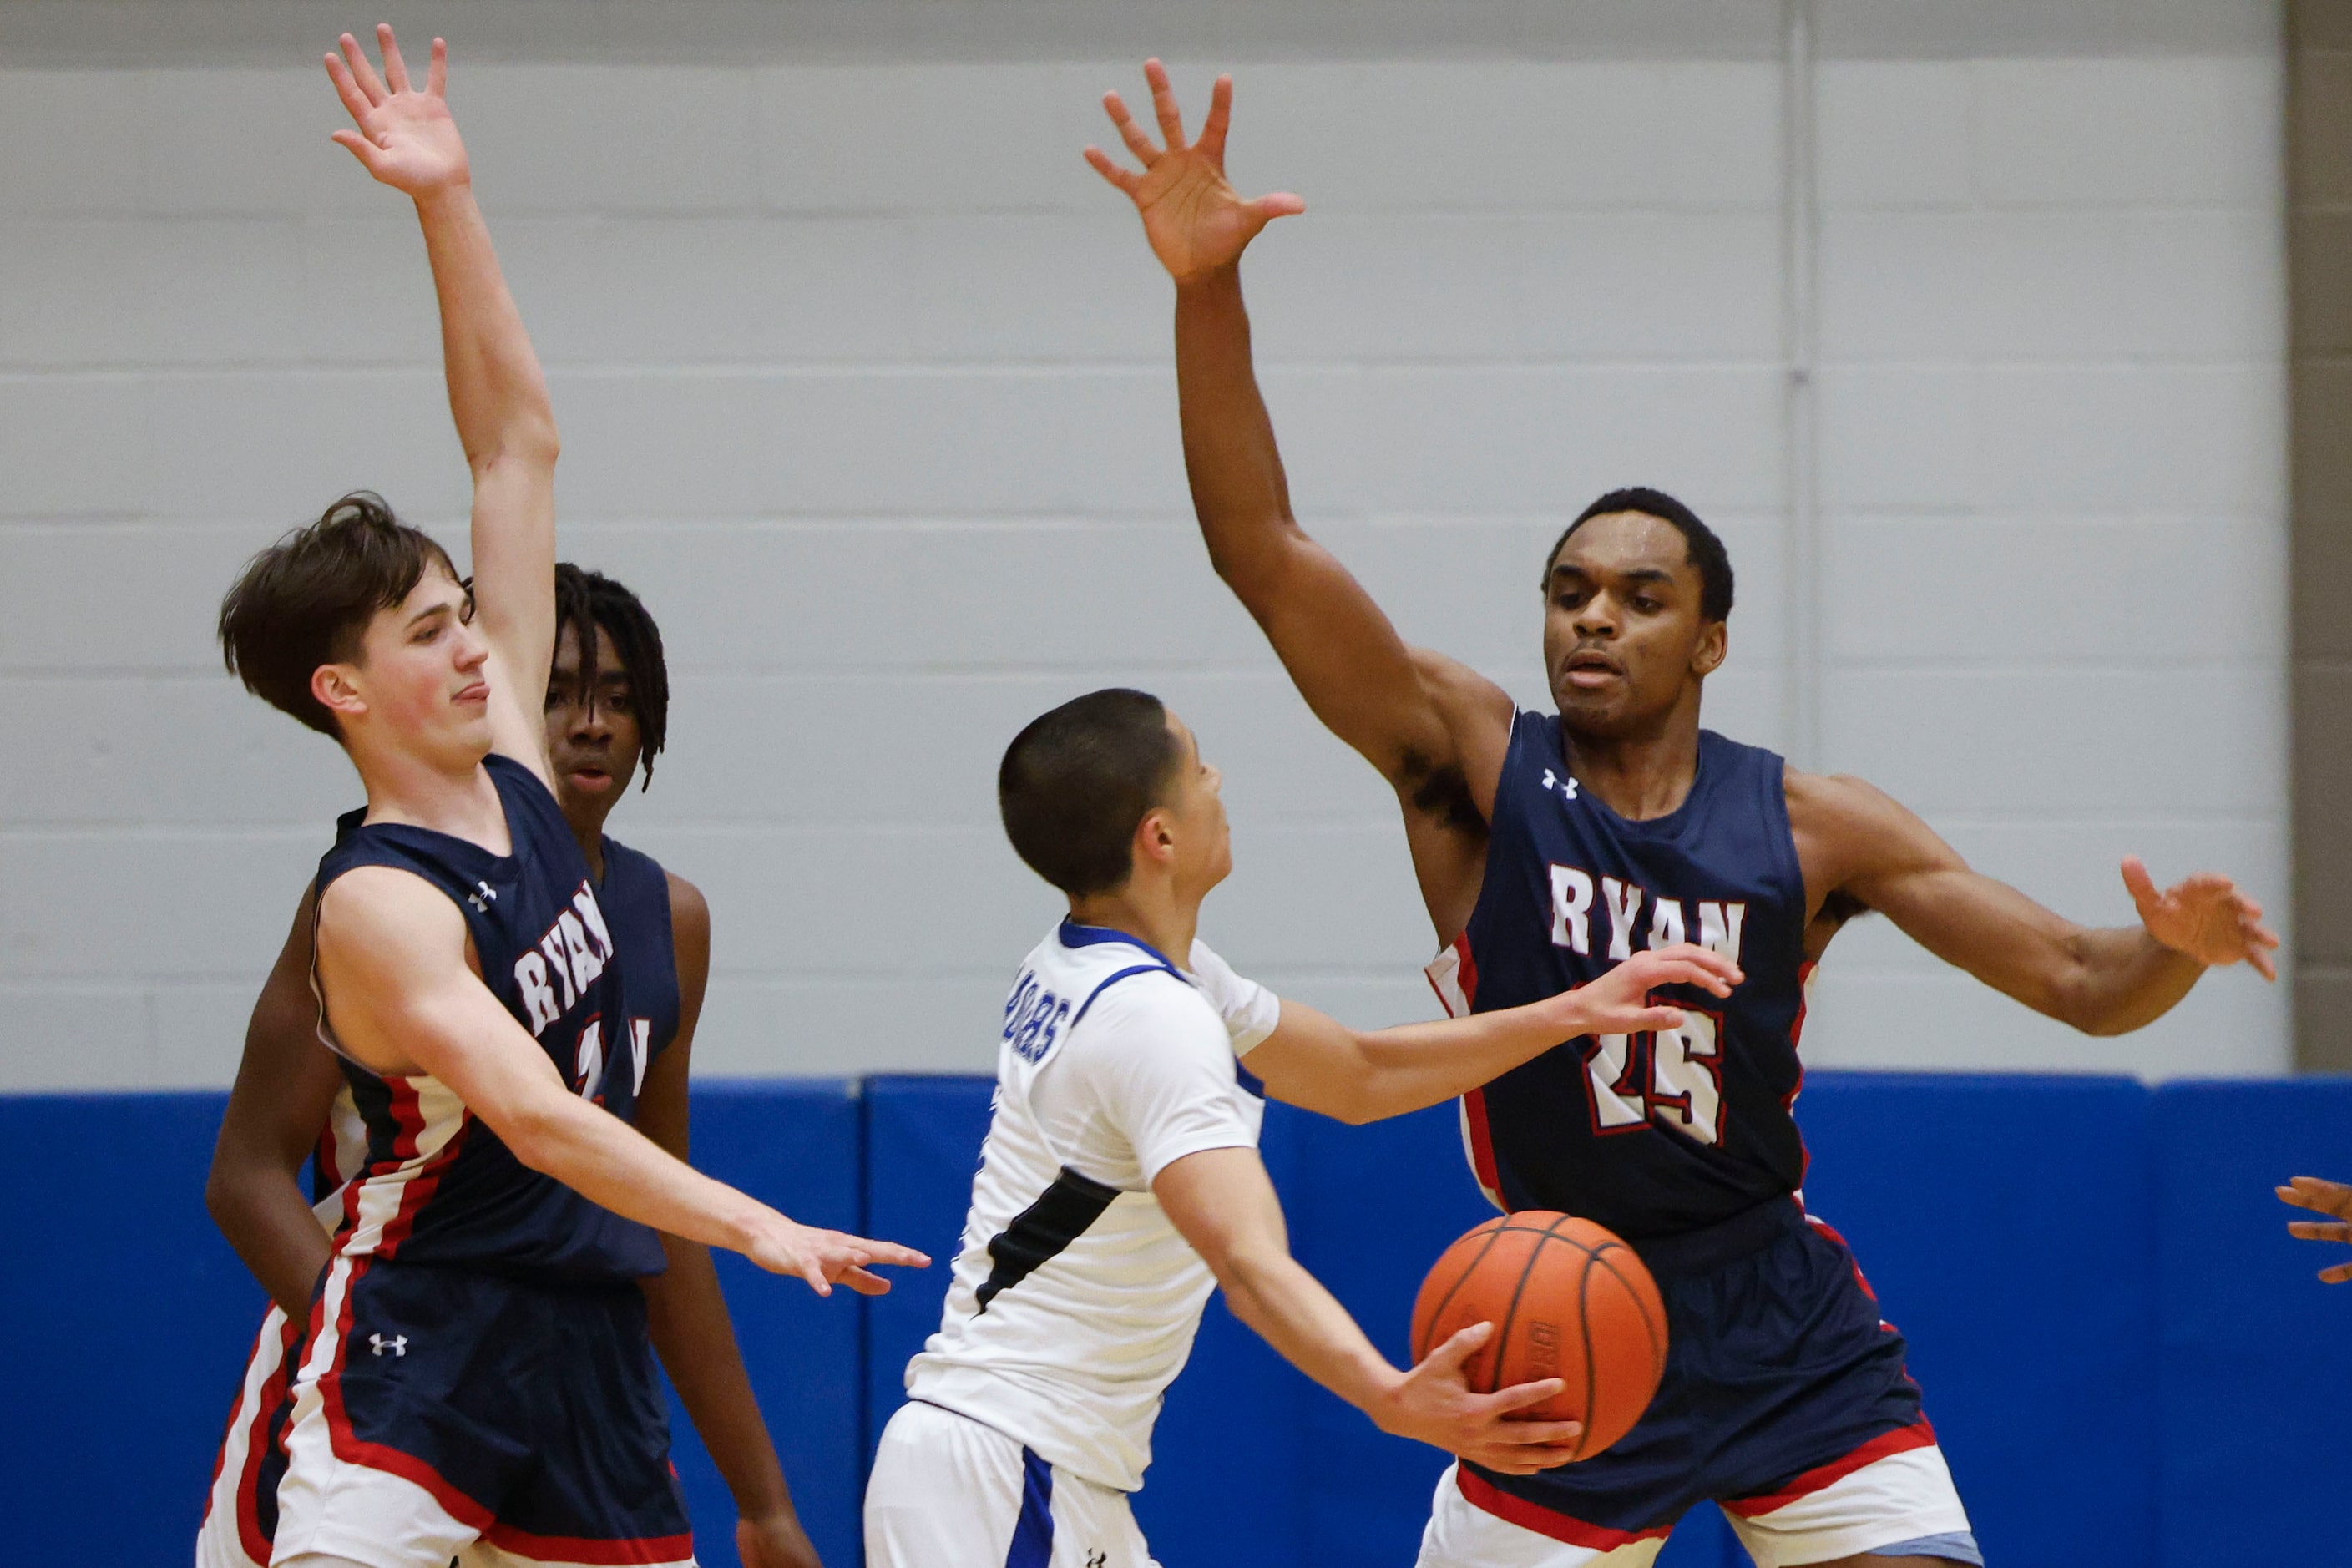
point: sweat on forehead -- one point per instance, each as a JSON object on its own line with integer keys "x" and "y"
{"x": 1706, "y": 552}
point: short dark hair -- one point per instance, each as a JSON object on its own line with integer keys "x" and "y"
{"x": 1076, "y": 781}
{"x": 307, "y": 600}
{"x": 585, "y": 601}
{"x": 1704, "y": 550}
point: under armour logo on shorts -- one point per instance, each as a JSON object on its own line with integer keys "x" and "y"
{"x": 399, "y": 1343}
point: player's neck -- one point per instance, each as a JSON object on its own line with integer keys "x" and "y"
{"x": 1642, "y": 774}
{"x": 447, "y": 795}
{"x": 1157, "y": 914}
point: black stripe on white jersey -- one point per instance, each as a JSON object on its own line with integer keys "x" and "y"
{"x": 1059, "y": 1216}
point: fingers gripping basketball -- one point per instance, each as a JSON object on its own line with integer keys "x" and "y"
{"x": 1568, "y": 1299}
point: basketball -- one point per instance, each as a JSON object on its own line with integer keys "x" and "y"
{"x": 1568, "y": 1299}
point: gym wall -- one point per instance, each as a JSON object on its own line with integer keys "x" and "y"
{"x": 863, "y": 381}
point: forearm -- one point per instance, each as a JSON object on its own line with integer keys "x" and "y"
{"x": 696, "y": 1339}
{"x": 273, "y": 1232}
{"x": 609, "y": 1163}
{"x": 2124, "y": 979}
{"x": 498, "y": 394}
{"x": 1288, "y": 1307}
{"x": 1230, "y": 456}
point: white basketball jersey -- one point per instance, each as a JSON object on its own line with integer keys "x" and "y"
{"x": 1075, "y": 1299}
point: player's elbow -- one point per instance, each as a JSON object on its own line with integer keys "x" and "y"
{"x": 534, "y": 1129}
{"x": 528, "y": 442}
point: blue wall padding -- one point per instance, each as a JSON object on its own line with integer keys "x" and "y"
{"x": 2007, "y": 1227}
{"x": 127, "y": 1321}
{"x": 922, "y": 1145}
{"x": 793, "y": 1143}
{"x": 2255, "y": 1436}
{"x": 2125, "y": 1355}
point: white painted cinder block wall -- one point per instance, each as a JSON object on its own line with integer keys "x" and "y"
{"x": 865, "y": 384}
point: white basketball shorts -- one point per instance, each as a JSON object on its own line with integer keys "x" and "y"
{"x": 949, "y": 1492}
{"x": 1901, "y": 1505}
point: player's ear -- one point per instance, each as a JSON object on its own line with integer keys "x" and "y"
{"x": 1155, "y": 838}
{"x": 336, "y": 686}
{"x": 1714, "y": 647}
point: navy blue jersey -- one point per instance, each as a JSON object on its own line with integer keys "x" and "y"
{"x": 635, "y": 896}
{"x": 1650, "y": 1135}
{"x": 438, "y": 1187}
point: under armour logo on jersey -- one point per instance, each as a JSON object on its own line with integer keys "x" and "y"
{"x": 1567, "y": 786}
{"x": 483, "y": 897}
{"x": 399, "y": 1343}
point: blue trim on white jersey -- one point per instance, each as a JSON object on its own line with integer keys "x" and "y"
{"x": 1071, "y": 934}
{"x": 1162, "y": 967}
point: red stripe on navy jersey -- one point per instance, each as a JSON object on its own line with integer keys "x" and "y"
{"x": 420, "y": 1188}
{"x": 1484, "y": 1495}
{"x": 575, "y": 1549}
{"x": 1902, "y": 1441}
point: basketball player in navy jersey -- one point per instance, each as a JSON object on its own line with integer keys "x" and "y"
{"x": 476, "y": 1370}
{"x": 290, "y": 1105}
{"x": 1550, "y": 845}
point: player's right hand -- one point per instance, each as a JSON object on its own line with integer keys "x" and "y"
{"x": 1195, "y": 221}
{"x": 1619, "y": 1001}
{"x": 406, "y": 137}
{"x": 2322, "y": 1196}
{"x": 826, "y": 1258}
{"x": 1433, "y": 1404}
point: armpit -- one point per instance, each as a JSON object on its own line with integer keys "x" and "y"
{"x": 1440, "y": 791}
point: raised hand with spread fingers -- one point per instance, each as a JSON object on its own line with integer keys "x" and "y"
{"x": 1193, "y": 217}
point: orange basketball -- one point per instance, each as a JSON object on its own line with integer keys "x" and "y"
{"x": 1568, "y": 1299}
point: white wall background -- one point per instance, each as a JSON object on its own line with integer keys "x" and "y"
{"x": 864, "y": 386}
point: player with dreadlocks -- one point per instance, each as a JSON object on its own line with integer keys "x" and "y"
{"x": 607, "y": 718}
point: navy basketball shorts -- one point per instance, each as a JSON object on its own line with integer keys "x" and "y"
{"x": 442, "y": 1413}
{"x": 1785, "y": 1402}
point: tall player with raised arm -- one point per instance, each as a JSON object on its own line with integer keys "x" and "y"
{"x": 478, "y": 1368}
{"x": 1550, "y": 845}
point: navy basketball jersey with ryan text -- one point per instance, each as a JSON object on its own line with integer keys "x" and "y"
{"x": 439, "y": 1187}
{"x": 1651, "y": 1134}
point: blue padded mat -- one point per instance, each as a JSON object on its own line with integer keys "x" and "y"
{"x": 793, "y": 1143}
{"x": 2007, "y": 1227}
{"x": 2255, "y": 1357}
{"x": 922, "y": 1144}
{"x": 128, "y": 1320}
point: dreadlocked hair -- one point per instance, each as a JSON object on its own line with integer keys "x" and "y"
{"x": 585, "y": 601}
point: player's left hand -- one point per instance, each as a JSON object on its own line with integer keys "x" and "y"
{"x": 2204, "y": 916}
{"x": 406, "y": 136}
{"x": 2322, "y": 1197}
{"x": 773, "y": 1540}
{"x": 1618, "y": 1003}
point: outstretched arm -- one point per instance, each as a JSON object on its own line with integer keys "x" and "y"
{"x": 407, "y": 139}
{"x": 1431, "y": 725}
{"x": 402, "y": 999}
{"x": 285, "y": 1088}
{"x": 1222, "y": 1202}
{"x": 1856, "y": 840}
{"x": 1318, "y": 1062}
{"x": 686, "y": 1314}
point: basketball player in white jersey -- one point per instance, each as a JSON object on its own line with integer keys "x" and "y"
{"x": 1120, "y": 1179}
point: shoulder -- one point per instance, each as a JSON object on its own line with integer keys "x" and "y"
{"x": 374, "y": 905}
{"x": 1853, "y": 825}
{"x": 690, "y": 914}
{"x": 1136, "y": 1012}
